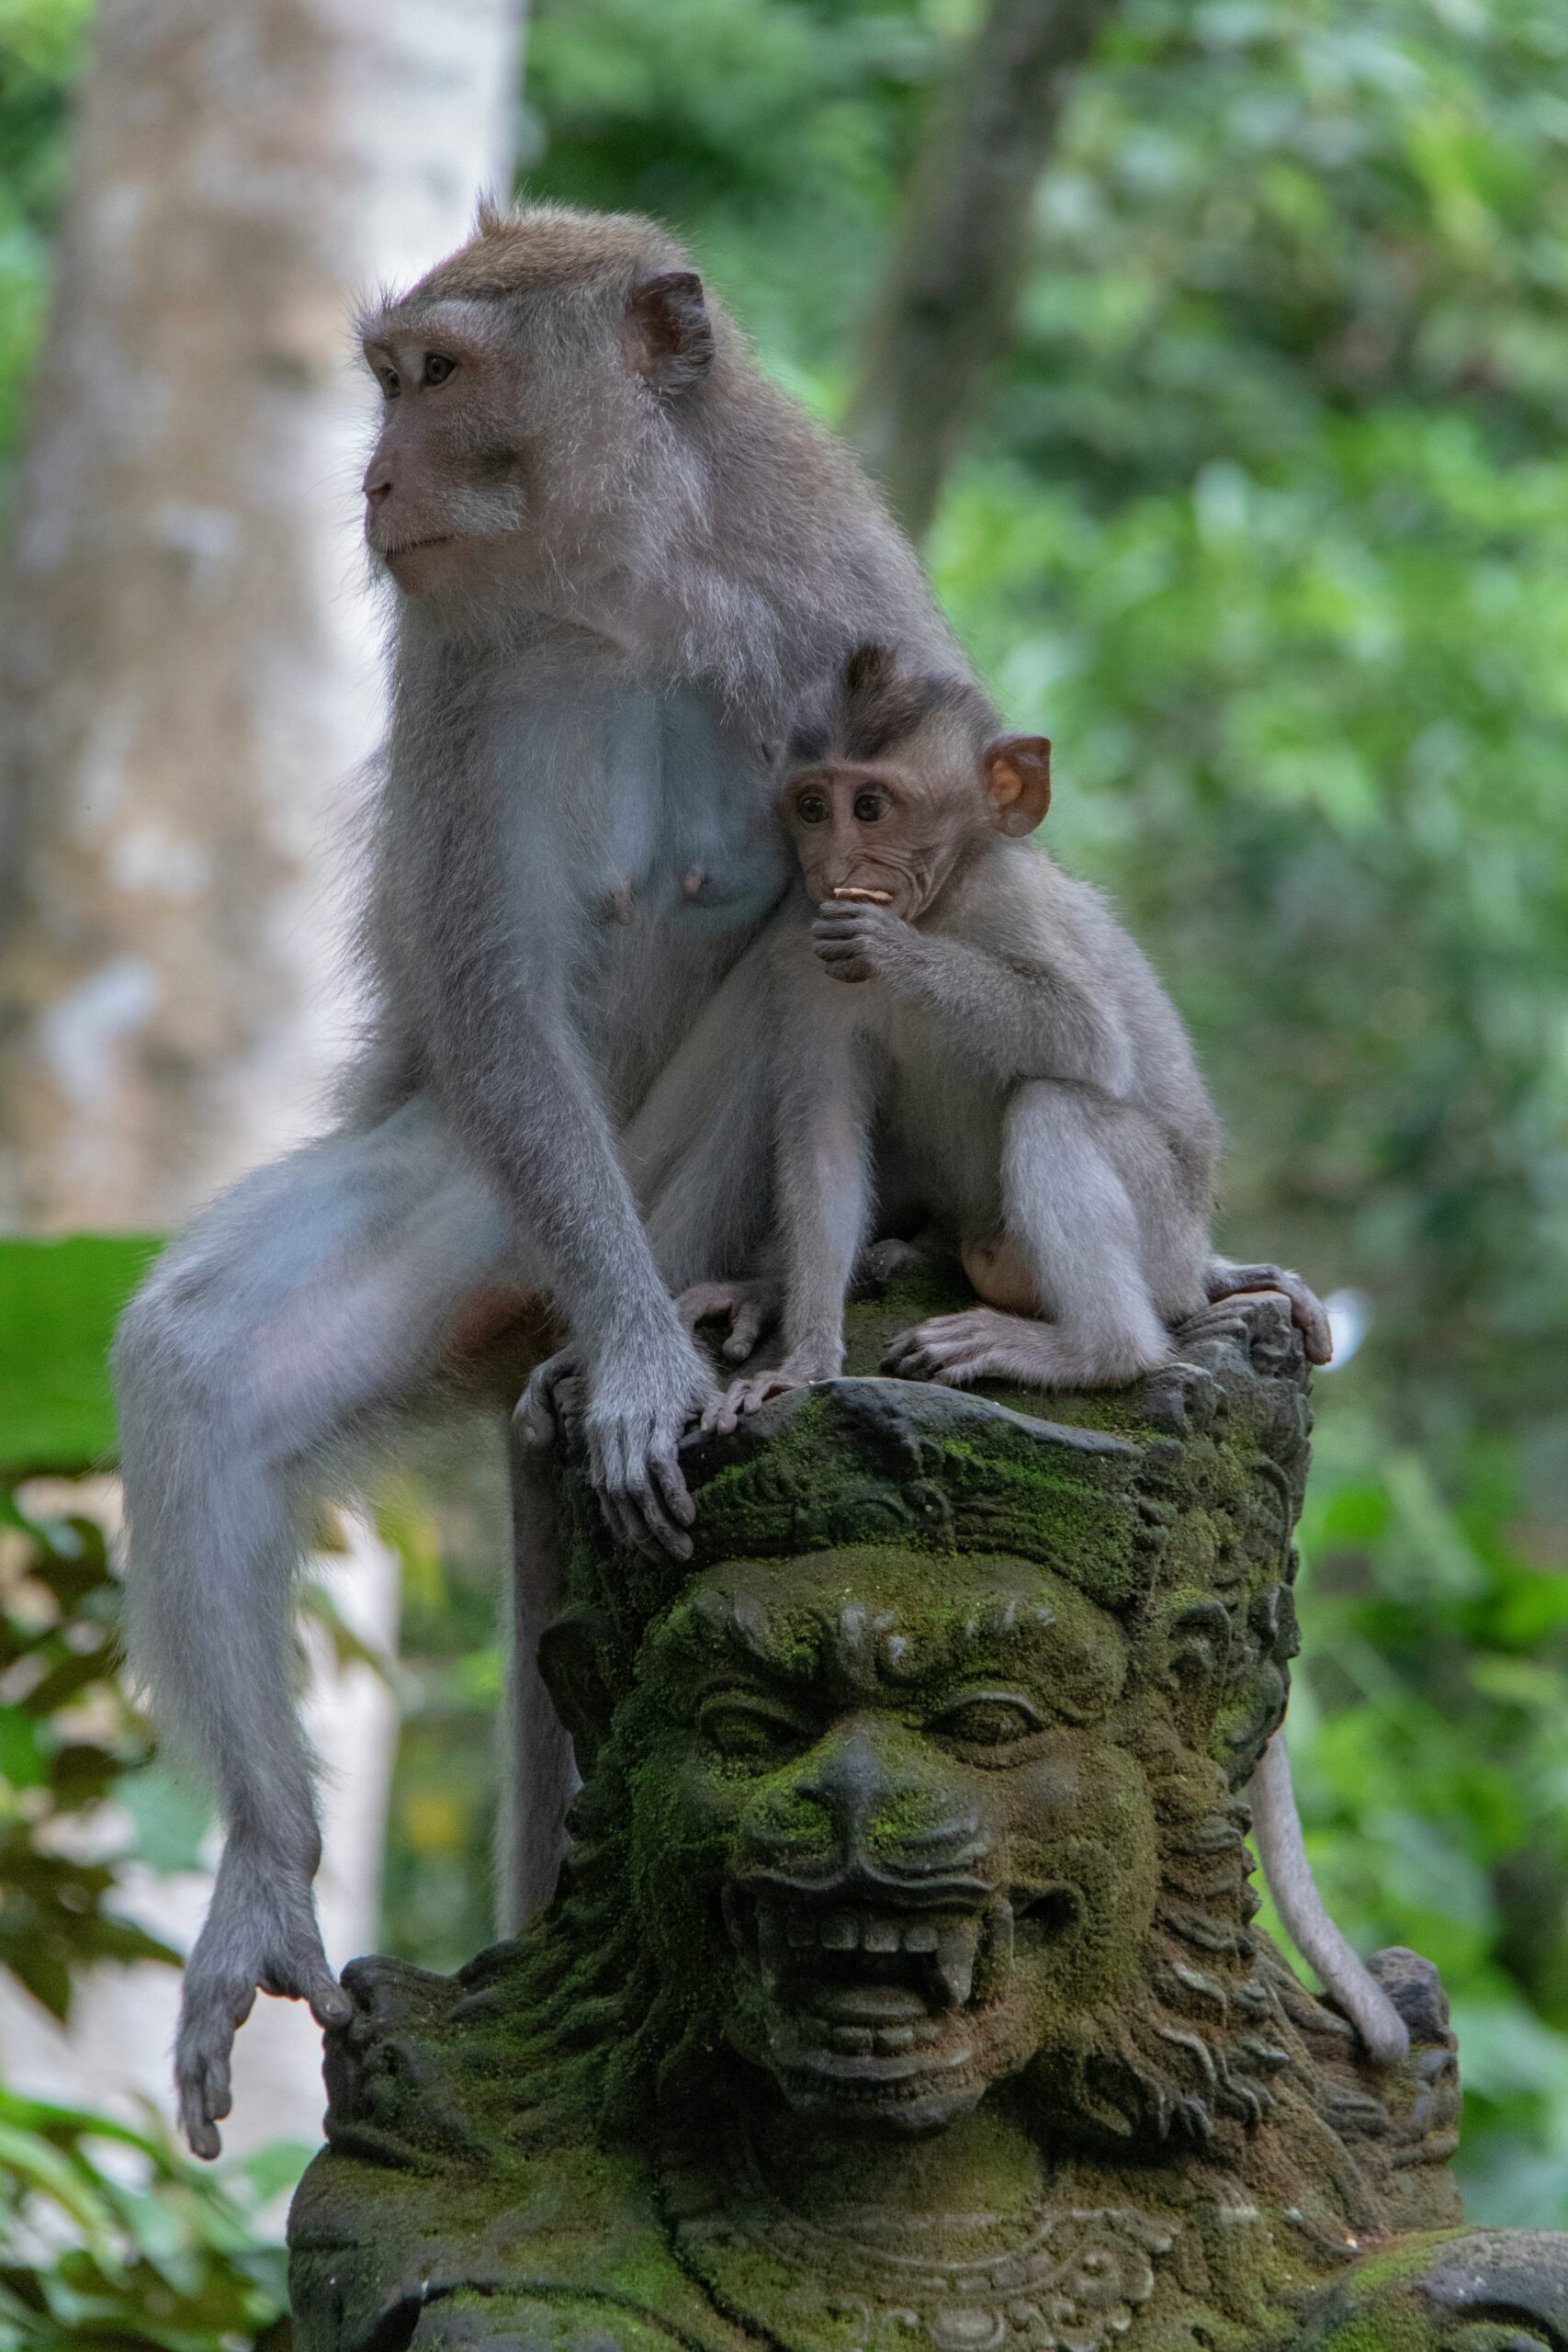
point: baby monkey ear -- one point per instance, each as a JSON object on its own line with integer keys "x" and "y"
{"x": 668, "y": 336}
{"x": 1017, "y": 770}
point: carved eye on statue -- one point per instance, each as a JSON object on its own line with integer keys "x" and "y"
{"x": 870, "y": 807}
{"x": 438, "y": 367}
{"x": 991, "y": 1722}
{"x": 812, "y": 808}
{"x": 747, "y": 1732}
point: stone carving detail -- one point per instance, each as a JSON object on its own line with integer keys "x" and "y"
{"x": 1060, "y": 2280}
{"x": 903, "y": 1993}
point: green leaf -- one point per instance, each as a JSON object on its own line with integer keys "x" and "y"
{"x": 58, "y": 1303}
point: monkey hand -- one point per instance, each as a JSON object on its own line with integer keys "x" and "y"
{"x": 855, "y": 941}
{"x": 260, "y": 1934}
{"x": 642, "y": 1393}
{"x": 750, "y": 1308}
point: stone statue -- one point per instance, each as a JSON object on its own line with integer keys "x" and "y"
{"x": 901, "y": 1991}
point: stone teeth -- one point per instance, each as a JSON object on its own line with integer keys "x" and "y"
{"x": 920, "y": 1936}
{"x": 770, "y": 1946}
{"x": 855, "y": 2041}
{"x": 801, "y": 1930}
{"x": 891, "y": 2040}
{"x": 840, "y": 1932}
{"x": 955, "y": 1962}
{"x": 881, "y": 1935}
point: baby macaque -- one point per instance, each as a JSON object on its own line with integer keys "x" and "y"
{"x": 1013, "y": 1068}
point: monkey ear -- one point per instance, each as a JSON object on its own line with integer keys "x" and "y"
{"x": 668, "y": 335}
{"x": 1017, "y": 770}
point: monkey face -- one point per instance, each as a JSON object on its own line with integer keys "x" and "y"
{"x": 870, "y": 830}
{"x": 892, "y": 828}
{"x": 445, "y": 486}
{"x": 484, "y": 485}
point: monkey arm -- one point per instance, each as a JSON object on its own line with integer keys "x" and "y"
{"x": 1020, "y": 1019}
{"x": 511, "y": 1076}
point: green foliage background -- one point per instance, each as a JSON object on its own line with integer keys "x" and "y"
{"x": 1266, "y": 522}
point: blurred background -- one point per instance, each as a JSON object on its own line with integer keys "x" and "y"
{"x": 1219, "y": 353}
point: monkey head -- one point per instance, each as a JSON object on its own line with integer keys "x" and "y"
{"x": 891, "y": 780}
{"x": 529, "y": 386}
{"x": 899, "y": 1803}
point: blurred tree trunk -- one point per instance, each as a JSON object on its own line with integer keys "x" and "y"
{"x": 187, "y": 664}
{"x": 947, "y": 303}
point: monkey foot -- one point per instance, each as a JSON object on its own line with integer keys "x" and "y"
{"x": 744, "y": 1396}
{"x": 260, "y": 1936}
{"x": 1308, "y": 1313}
{"x": 979, "y": 1344}
{"x": 983, "y": 1344}
{"x": 750, "y": 1308}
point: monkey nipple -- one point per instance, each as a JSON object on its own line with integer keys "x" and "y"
{"x": 618, "y": 904}
{"x": 694, "y": 885}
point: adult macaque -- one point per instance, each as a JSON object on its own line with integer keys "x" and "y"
{"x": 1003, "y": 1059}
{"x": 616, "y": 555}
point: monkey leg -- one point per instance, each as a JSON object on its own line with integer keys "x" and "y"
{"x": 1068, "y": 1218}
{"x": 270, "y": 1346}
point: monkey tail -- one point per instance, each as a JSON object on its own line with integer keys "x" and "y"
{"x": 1276, "y": 1827}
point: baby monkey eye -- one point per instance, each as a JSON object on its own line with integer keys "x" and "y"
{"x": 438, "y": 367}
{"x": 869, "y": 807}
{"x": 989, "y": 1719}
{"x": 812, "y": 808}
{"x": 391, "y": 383}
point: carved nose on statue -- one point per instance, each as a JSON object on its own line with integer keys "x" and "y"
{"x": 857, "y": 1781}
{"x": 852, "y": 1783}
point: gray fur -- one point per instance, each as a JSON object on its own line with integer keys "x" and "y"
{"x": 1024, "y": 1076}
{"x": 583, "y": 705}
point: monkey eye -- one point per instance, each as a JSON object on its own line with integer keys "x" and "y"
{"x": 438, "y": 367}
{"x": 391, "y": 382}
{"x": 812, "y": 808}
{"x": 870, "y": 807}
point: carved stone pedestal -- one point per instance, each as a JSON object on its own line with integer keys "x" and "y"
{"x": 901, "y": 1993}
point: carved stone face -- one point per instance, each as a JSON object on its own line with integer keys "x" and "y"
{"x": 884, "y": 1806}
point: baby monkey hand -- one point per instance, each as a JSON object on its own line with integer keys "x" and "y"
{"x": 856, "y": 941}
